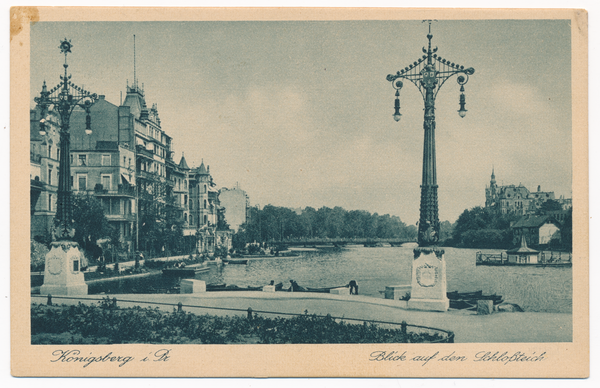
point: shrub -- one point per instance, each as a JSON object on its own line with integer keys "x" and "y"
{"x": 38, "y": 256}
{"x": 108, "y": 324}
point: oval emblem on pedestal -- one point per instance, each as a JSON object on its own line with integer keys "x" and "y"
{"x": 54, "y": 265}
{"x": 427, "y": 275}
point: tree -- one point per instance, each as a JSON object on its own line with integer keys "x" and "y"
{"x": 550, "y": 205}
{"x": 161, "y": 223}
{"x": 221, "y": 221}
{"x": 90, "y": 224}
{"x": 482, "y": 228}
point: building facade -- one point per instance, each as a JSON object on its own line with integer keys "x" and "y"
{"x": 44, "y": 155}
{"x": 127, "y": 164}
{"x": 518, "y": 200}
{"x": 536, "y": 230}
{"x": 236, "y": 203}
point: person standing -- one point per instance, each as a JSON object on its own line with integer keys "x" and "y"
{"x": 353, "y": 287}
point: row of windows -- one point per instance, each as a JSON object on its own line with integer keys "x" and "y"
{"x": 152, "y": 167}
{"x": 82, "y": 182}
{"x": 192, "y": 218}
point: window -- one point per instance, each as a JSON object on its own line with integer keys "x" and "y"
{"x": 71, "y": 159}
{"x": 106, "y": 160}
{"x": 105, "y": 205}
{"x": 81, "y": 182}
{"x": 205, "y": 219}
{"x": 50, "y": 151}
{"x": 185, "y": 200}
{"x": 82, "y": 160}
{"x": 49, "y": 202}
{"x": 124, "y": 161}
{"x": 191, "y": 219}
{"x": 106, "y": 182}
{"x": 115, "y": 206}
{"x": 49, "y": 176}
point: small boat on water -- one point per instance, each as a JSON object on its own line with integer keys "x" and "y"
{"x": 235, "y": 261}
{"x": 185, "y": 272}
{"x": 325, "y": 290}
{"x": 468, "y": 300}
{"x": 230, "y": 287}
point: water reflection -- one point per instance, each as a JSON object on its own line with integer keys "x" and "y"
{"x": 533, "y": 288}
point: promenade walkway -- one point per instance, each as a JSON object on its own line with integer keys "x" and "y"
{"x": 467, "y": 326}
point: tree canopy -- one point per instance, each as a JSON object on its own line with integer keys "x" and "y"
{"x": 280, "y": 223}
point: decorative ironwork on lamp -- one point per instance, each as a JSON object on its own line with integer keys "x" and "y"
{"x": 428, "y": 74}
{"x": 63, "y": 99}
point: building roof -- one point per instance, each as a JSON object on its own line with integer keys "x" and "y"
{"x": 530, "y": 221}
{"x": 183, "y": 164}
{"x": 523, "y": 249}
{"x": 202, "y": 169}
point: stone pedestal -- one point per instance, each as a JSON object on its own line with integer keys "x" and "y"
{"x": 192, "y": 286}
{"x": 340, "y": 291}
{"x": 269, "y": 288}
{"x": 428, "y": 287}
{"x": 62, "y": 275}
{"x": 397, "y": 292}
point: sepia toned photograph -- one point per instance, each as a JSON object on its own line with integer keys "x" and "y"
{"x": 406, "y": 189}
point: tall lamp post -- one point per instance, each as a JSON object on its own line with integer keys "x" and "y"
{"x": 62, "y": 273}
{"x": 63, "y": 99}
{"x": 429, "y": 73}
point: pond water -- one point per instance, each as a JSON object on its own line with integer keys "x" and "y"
{"x": 533, "y": 288}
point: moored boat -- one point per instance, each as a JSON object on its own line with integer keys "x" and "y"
{"x": 468, "y": 300}
{"x": 186, "y": 272}
{"x": 230, "y": 287}
{"x": 236, "y": 261}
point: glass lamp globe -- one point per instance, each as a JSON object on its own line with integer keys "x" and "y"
{"x": 462, "y": 112}
{"x": 397, "y": 117}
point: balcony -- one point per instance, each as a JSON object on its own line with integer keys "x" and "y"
{"x": 122, "y": 190}
{"x": 141, "y": 151}
{"x": 35, "y": 158}
{"x": 147, "y": 175}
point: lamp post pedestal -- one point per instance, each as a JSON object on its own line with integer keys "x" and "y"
{"x": 428, "y": 287}
{"x": 62, "y": 275}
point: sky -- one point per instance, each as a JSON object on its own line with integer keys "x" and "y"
{"x": 300, "y": 113}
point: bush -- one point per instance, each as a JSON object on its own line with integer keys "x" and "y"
{"x": 108, "y": 324}
{"x": 38, "y": 256}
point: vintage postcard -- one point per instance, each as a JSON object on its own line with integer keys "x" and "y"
{"x": 309, "y": 192}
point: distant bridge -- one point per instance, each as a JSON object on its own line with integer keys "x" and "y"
{"x": 340, "y": 242}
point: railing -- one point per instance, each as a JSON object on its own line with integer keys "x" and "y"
{"x": 121, "y": 190}
{"x": 35, "y": 158}
{"x": 490, "y": 257}
{"x": 141, "y": 150}
{"x": 447, "y": 336}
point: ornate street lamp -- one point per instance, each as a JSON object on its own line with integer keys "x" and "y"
{"x": 63, "y": 99}
{"x": 429, "y": 73}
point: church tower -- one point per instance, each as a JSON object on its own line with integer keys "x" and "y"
{"x": 491, "y": 193}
